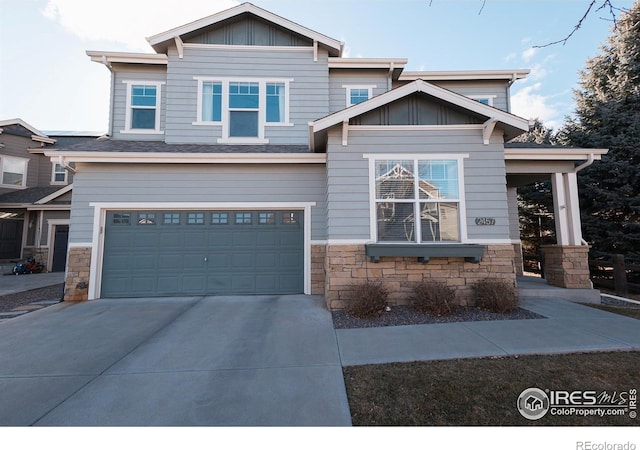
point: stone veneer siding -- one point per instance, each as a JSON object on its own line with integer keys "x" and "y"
{"x": 346, "y": 265}
{"x": 76, "y": 283}
{"x": 318, "y": 254}
{"x": 567, "y": 266}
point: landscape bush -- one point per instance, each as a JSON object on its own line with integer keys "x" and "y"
{"x": 434, "y": 298}
{"x": 368, "y": 299}
{"x": 496, "y": 296}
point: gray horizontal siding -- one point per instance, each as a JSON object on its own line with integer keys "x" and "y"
{"x": 195, "y": 183}
{"x": 308, "y": 90}
{"x": 119, "y": 101}
{"x": 343, "y": 77}
{"x": 348, "y": 177}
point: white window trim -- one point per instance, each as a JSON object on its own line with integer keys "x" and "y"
{"x": 262, "y": 108}
{"x": 128, "y": 107}
{"x": 482, "y": 97}
{"x": 349, "y": 87}
{"x": 24, "y": 177}
{"x": 462, "y": 210}
{"x": 53, "y": 175}
{"x": 100, "y": 214}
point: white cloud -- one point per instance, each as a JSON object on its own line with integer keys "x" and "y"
{"x": 528, "y": 54}
{"x": 128, "y": 21}
{"x": 530, "y": 104}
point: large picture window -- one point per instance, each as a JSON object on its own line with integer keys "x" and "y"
{"x": 418, "y": 200}
{"x": 243, "y": 107}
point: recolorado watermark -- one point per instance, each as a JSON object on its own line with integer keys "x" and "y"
{"x": 588, "y": 445}
{"x": 534, "y": 403}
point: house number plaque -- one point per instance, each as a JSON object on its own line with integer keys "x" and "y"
{"x": 485, "y": 221}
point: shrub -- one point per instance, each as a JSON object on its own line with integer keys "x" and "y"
{"x": 368, "y": 299}
{"x": 433, "y": 298}
{"x": 497, "y": 296}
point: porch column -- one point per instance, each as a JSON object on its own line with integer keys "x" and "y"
{"x": 560, "y": 208}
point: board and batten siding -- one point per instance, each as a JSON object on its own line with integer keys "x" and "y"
{"x": 123, "y": 73}
{"x": 499, "y": 89}
{"x": 308, "y": 91}
{"x": 348, "y": 177}
{"x": 195, "y": 183}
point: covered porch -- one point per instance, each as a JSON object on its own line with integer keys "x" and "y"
{"x": 565, "y": 261}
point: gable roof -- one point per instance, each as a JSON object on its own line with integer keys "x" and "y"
{"x": 160, "y": 41}
{"x": 510, "y": 123}
{"x": 34, "y": 133}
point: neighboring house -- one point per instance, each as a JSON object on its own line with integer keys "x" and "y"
{"x": 35, "y": 197}
{"x": 247, "y": 156}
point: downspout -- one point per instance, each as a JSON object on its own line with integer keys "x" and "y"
{"x": 584, "y": 165}
{"x": 64, "y": 164}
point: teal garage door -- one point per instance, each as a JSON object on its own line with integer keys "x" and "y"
{"x": 172, "y": 253}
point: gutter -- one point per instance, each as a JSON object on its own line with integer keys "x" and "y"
{"x": 585, "y": 164}
{"x": 64, "y": 164}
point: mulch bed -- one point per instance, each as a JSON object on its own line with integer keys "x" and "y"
{"x": 11, "y": 301}
{"x": 405, "y": 315}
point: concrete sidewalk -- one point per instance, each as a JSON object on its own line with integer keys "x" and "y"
{"x": 10, "y": 284}
{"x": 569, "y": 327}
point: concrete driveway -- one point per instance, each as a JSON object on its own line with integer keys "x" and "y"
{"x": 249, "y": 361}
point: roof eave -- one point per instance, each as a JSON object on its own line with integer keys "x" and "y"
{"x": 187, "y": 158}
{"x": 108, "y": 58}
{"x": 461, "y": 75}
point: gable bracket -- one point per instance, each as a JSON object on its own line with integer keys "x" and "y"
{"x": 345, "y": 133}
{"x": 315, "y": 51}
{"x": 179, "y": 46}
{"x": 487, "y": 129}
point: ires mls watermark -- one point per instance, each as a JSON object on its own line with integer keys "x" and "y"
{"x": 534, "y": 403}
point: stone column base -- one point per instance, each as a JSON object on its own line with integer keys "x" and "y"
{"x": 567, "y": 266}
{"x": 76, "y": 283}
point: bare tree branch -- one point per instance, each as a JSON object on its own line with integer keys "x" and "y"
{"x": 484, "y": 2}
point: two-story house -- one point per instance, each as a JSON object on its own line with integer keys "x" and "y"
{"x": 248, "y": 156}
{"x": 35, "y": 194}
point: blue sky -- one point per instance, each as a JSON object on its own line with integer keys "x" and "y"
{"x": 47, "y": 80}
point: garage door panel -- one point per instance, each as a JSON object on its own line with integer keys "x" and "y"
{"x": 246, "y": 252}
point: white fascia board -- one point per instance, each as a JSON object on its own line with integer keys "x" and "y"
{"x": 127, "y": 58}
{"x": 237, "y": 10}
{"x": 553, "y": 154}
{"x": 429, "y": 89}
{"x": 49, "y": 208}
{"x": 190, "y": 158}
{"x": 453, "y": 75}
{"x": 55, "y": 195}
{"x": 367, "y": 63}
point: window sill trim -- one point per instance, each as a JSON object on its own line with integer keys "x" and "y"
{"x": 141, "y": 132}
{"x": 12, "y": 186}
{"x": 470, "y": 252}
{"x": 207, "y": 124}
{"x": 278, "y": 124}
{"x": 241, "y": 141}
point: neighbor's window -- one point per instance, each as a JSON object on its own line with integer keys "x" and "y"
{"x": 143, "y": 107}
{"x": 14, "y": 171}
{"x": 426, "y": 189}
{"x": 484, "y": 99}
{"x": 59, "y": 175}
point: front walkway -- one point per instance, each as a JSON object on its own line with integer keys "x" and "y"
{"x": 569, "y": 327}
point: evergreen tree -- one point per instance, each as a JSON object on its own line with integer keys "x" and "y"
{"x": 608, "y": 116}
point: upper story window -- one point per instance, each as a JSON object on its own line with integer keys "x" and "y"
{"x": 484, "y": 99}
{"x": 59, "y": 174}
{"x": 143, "y": 107}
{"x": 407, "y": 188}
{"x": 243, "y": 107}
{"x": 13, "y": 171}
{"x": 358, "y": 93}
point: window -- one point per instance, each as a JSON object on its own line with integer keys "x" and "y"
{"x": 121, "y": 218}
{"x": 195, "y": 218}
{"x": 243, "y": 107}
{"x": 243, "y": 218}
{"x": 290, "y": 217}
{"x": 14, "y": 171}
{"x": 146, "y": 219}
{"x": 171, "y": 219}
{"x": 428, "y": 189}
{"x": 484, "y": 99}
{"x": 59, "y": 175}
{"x": 267, "y": 218}
{"x": 143, "y": 112}
{"x": 219, "y": 218}
{"x": 358, "y": 94}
